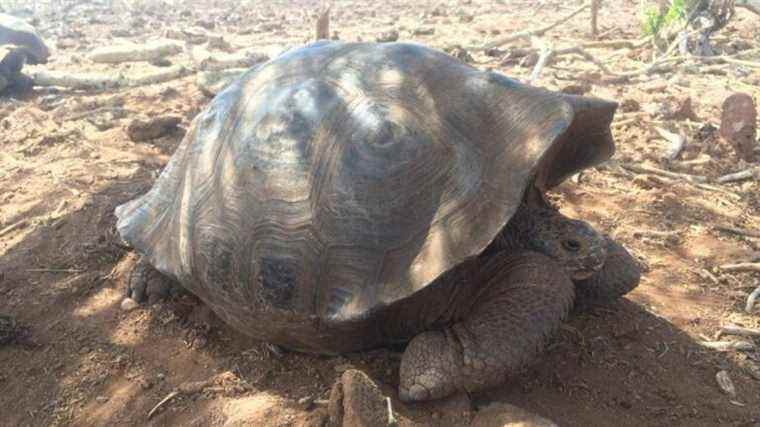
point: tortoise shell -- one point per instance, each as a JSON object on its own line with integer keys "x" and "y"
{"x": 341, "y": 178}
{"x": 15, "y": 31}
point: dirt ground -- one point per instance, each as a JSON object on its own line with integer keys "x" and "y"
{"x": 66, "y": 161}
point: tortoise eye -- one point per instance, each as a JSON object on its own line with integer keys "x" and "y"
{"x": 571, "y": 245}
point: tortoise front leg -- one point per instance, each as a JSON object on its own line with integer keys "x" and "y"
{"x": 524, "y": 298}
{"x": 145, "y": 283}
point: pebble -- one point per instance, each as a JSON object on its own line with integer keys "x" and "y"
{"x": 128, "y": 304}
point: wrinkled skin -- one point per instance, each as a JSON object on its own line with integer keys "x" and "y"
{"x": 530, "y": 277}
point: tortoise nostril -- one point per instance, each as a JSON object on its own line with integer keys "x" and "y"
{"x": 571, "y": 245}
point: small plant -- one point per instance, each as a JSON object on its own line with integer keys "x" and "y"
{"x": 654, "y": 21}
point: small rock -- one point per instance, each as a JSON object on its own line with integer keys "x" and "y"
{"x": 160, "y": 62}
{"x": 529, "y": 60}
{"x": 577, "y": 89}
{"x": 630, "y": 105}
{"x": 145, "y": 130}
{"x": 461, "y": 54}
{"x": 725, "y": 383}
{"x": 494, "y": 52}
{"x": 101, "y": 399}
{"x": 145, "y": 384}
{"x": 387, "y": 36}
{"x": 355, "y": 400}
{"x": 506, "y": 415}
{"x": 128, "y": 304}
{"x": 423, "y": 31}
{"x": 681, "y": 109}
{"x": 306, "y": 402}
{"x": 466, "y": 18}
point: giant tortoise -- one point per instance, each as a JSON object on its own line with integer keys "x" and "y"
{"x": 345, "y": 196}
{"x": 26, "y": 46}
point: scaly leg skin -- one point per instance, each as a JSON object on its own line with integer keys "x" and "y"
{"x": 147, "y": 283}
{"x": 621, "y": 274}
{"x": 525, "y": 297}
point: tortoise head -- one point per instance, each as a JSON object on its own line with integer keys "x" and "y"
{"x": 573, "y": 244}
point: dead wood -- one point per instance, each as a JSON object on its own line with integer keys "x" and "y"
{"x": 729, "y": 345}
{"x": 741, "y": 267}
{"x": 135, "y": 52}
{"x": 731, "y": 329}
{"x": 739, "y": 231}
{"x": 323, "y": 24}
{"x": 741, "y": 175}
{"x": 677, "y": 143}
{"x": 655, "y": 171}
{"x": 83, "y": 81}
{"x": 594, "y": 14}
{"x": 535, "y": 32}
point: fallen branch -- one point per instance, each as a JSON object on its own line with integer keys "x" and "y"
{"x": 677, "y": 143}
{"x": 102, "y": 81}
{"x": 163, "y": 401}
{"x": 728, "y": 345}
{"x": 741, "y": 176}
{"x": 184, "y": 388}
{"x": 732, "y": 329}
{"x": 534, "y": 32}
{"x": 13, "y": 227}
{"x": 739, "y": 231}
{"x": 135, "y": 52}
{"x": 547, "y": 53}
{"x": 741, "y": 267}
{"x": 655, "y": 171}
{"x": 613, "y": 44}
{"x": 698, "y": 181}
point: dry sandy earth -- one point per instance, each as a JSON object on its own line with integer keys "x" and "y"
{"x": 66, "y": 162}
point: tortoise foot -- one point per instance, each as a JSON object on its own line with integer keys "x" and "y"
{"x": 145, "y": 283}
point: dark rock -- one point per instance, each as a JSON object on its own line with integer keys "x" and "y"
{"x": 387, "y": 36}
{"x": 424, "y": 31}
{"x": 355, "y": 400}
{"x": 145, "y": 130}
{"x": 738, "y": 124}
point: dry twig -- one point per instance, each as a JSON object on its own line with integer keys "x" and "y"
{"x": 677, "y": 143}
{"x": 739, "y": 231}
{"x": 741, "y": 175}
{"x": 536, "y": 32}
{"x": 728, "y": 345}
{"x": 135, "y": 52}
{"x": 741, "y": 267}
{"x": 731, "y": 329}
